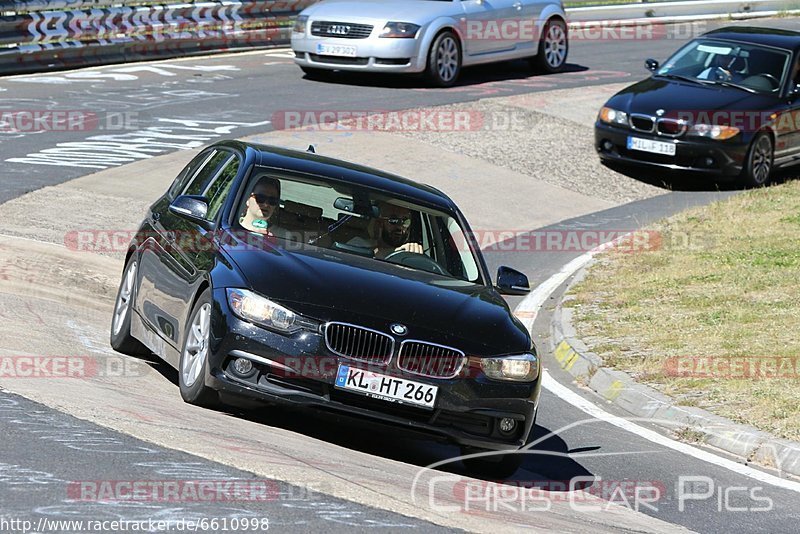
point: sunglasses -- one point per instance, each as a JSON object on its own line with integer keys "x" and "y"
{"x": 405, "y": 222}
{"x": 265, "y": 199}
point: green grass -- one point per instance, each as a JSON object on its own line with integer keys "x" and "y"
{"x": 724, "y": 285}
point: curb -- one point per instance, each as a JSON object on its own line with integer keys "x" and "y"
{"x": 746, "y": 443}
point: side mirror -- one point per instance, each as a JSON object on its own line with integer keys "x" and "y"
{"x": 512, "y": 282}
{"x": 650, "y": 64}
{"x": 192, "y": 208}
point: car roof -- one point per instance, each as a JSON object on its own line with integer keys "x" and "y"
{"x": 336, "y": 169}
{"x": 787, "y": 39}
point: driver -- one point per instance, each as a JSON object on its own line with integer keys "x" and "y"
{"x": 262, "y": 206}
{"x": 392, "y": 231}
{"x": 718, "y": 69}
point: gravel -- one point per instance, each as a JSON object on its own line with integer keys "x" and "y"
{"x": 553, "y": 149}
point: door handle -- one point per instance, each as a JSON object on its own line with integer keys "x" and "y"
{"x": 169, "y": 236}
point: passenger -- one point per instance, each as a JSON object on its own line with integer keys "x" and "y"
{"x": 262, "y": 206}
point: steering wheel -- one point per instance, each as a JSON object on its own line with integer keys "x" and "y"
{"x": 772, "y": 79}
{"x": 722, "y": 74}
{"x": 417, "y": 261}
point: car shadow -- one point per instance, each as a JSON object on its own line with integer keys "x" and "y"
{"x": 673, "y": 180}
{"x": 548, "y": 464}
{"x": 479, "y": 74}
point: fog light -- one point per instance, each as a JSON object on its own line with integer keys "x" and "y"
{"x": 507, "y": 425}
{"x": 608, "y": 145}
{"x": 242, "y": 366}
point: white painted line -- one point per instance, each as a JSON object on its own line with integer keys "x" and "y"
{"x": 588, "y": 407}
{"x": 536, "y": 299}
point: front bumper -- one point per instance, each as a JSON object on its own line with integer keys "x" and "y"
{"x": 723, "y": 159}
{"x": 374, "y": 54}
{"x": 298, "y": 370}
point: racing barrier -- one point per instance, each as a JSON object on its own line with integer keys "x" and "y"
{"x": 39, "y": 35}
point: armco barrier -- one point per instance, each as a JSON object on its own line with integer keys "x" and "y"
{"x": 81, "y": 32}
{"x": 37, "y": 35}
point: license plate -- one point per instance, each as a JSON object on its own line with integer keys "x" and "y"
{"x": 649, "y": 145}
{"x": 324, "y": 49}
{"x": 387, "y": 388}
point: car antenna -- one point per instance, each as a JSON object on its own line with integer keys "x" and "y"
{"x": 311, "y": 149}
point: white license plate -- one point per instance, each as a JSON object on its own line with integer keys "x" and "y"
{"x": 324, "y": 49}
{"x": 388, "y": 388}
{"x": 649, "y": 145}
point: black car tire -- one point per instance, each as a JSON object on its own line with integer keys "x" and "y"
{"x": 121, "y": 339}
{"x": 758, "y": 164}
{"x": 496, "y": 467}
{"x": 447, "y": 50}
{"x": 548, "y": 59}
{"x": 196, "y": 392}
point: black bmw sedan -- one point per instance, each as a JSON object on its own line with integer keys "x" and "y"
{"x": 295, "y": 279}
{"x": 727, "y": 104}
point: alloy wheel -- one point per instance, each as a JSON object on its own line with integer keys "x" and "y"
{"x": 762, "y": 160}
{"x": 123, "y": 304}
{"x": 447, "y": 59}
{"x": 196, "y": 350}
{"x": 555, "y": 46}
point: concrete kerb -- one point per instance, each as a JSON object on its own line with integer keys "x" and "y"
{"x": 691, "y": 424}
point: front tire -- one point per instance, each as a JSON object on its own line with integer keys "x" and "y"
{"x": 444, "y": 60}
{"x": 553, "y": 48}
{"x": 193, "y": 366}
{"x": 758, "y": 164}
{"x": 121, "y": 339}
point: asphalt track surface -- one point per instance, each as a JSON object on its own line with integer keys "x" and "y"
{"x": 240, "y": 93}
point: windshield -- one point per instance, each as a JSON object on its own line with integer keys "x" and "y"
{"x": 300, "y": 212}
{"x": 756, "y": 68}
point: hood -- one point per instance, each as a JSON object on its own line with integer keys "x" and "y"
{"x": 328, "y": 285}
{"x": 417, "y": 11}
{"x": 676, "y": 97}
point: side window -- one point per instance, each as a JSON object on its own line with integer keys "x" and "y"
{"x": 186, "y": 174}
{"x": 203, "y": 178}
{"x": 217, "y": 191}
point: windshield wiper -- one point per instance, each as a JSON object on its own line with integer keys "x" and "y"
{"x": 683, "y": 78}
{"x": 736, "y": 85}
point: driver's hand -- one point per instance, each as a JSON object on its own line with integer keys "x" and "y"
{"x": 416, "y": 248}
{"x": 723, "y": 75}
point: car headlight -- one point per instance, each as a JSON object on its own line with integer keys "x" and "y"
{"x": 613, "y": 116}
{"x": 517, "y": 368}
{"x": 713, "y": 131}
{"x": 399, "y": 30}
{"x": 257, "y": 309}
{"x": 300, "y": 24}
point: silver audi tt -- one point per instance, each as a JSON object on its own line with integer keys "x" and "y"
{"x": 434, "y": 37}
